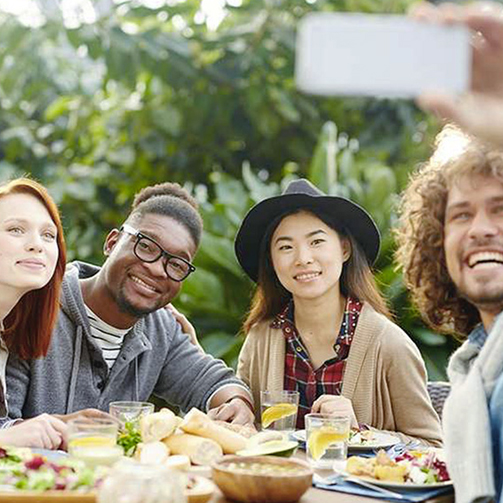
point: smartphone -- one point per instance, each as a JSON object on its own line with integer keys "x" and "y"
{"x": 380, "y": 55}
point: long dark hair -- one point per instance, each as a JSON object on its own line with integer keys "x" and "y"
{"x": 271, "y": 296}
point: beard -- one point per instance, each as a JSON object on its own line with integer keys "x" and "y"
{"x": 484, "y": 298}
{"x": 127, "y": 307}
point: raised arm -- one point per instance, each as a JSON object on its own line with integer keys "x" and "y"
{"x": 191, "y": 378}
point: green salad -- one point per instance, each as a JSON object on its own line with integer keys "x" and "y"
{"x": 21, "y": 469}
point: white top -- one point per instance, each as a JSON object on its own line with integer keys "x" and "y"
{"x": 108, "y": 338}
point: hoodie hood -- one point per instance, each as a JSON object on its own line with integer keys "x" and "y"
{"x": 72, "y": 302}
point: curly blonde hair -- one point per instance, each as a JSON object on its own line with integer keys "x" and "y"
{"x": 420, "y": 230}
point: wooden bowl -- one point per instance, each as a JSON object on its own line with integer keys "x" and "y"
{"x": 262, "y": 479}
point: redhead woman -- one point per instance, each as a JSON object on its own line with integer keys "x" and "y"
{"x": 32, "y": 263}
{"x": 318, "y": 323}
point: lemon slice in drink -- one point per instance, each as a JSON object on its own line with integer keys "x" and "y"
{"x": 276, "y": 412}
{"x": 92, "y": 442}
{"x": 322, "y": 438}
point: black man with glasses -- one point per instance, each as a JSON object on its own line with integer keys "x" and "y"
{"x": 115, "y": 341}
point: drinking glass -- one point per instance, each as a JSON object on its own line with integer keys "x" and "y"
{"x": 279, "y": 410}
{"x": 130, "y": 412}
{"x": 132, "y": 482}
{"x": 327, "y": 440}
{"x": 94, "y": 441}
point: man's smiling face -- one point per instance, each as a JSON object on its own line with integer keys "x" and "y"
{"x": 140, "y": 288}
{"x": 473, "y": 240}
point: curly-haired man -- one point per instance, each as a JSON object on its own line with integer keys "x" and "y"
{"x": 450, "y": 246}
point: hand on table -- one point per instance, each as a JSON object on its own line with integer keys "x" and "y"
{"x": 480, "y": 111}
{"x": 335, "y": 405}
{"x": 44, "y": 432}
{"x": 234, "y": 411}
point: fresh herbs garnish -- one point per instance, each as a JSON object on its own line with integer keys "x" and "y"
{"x": 129, "y": 438}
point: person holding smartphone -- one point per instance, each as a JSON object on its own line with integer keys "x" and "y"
{"x": 480, "y": 111}
{"x": 318, "y": 324}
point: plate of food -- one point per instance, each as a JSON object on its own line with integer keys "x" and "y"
{"x": 414, "y": 469}
{"x": 28, "y": 476}
{"x": 361, "y": 440}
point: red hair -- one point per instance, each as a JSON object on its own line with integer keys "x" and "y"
{"x": 29, "y": 325}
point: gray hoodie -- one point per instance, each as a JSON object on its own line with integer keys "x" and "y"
{"x": 156, "y": 358}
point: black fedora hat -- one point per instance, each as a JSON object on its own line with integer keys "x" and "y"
{"x": 302, "y": 194}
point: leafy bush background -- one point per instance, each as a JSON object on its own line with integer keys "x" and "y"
{"x": 142, "y": 95}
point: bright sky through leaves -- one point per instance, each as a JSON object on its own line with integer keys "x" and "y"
{"x": 75, "y": 10}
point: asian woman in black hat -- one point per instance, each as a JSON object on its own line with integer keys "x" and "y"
{"x": 317, "y": 322}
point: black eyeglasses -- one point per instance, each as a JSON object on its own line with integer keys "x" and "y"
{"x": 147, "y": 250}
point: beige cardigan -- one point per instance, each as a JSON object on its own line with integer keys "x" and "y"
{"x": 385, "y": 376}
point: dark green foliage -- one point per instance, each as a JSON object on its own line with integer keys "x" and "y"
{"x": 98, "y": 111}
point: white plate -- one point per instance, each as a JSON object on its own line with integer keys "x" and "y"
{"x": 381, "y": 441}
{"x": 50, "y": 455}
{"x": 397, "y": 485}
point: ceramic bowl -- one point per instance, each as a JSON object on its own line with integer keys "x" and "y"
{"x": 262, "y": 479}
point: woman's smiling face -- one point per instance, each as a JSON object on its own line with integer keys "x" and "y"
{"x": 28, "y": 243}
{"x": 308, "y": 256}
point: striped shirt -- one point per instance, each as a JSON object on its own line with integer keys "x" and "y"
{"x": 109, "y": 339}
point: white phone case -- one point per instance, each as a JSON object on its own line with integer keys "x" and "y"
{"x": 380, "y": 55}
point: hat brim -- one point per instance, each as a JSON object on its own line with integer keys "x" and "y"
{"x": 256, "y": 222}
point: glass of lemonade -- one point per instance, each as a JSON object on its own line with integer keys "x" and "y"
{"x": 279, "y": 410}
{"x": 94, "y": 441}
{"x": 130, "y": 412}
{"x": 327, "y": 440}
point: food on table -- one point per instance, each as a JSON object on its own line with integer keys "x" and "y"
{"x": 264, "y": 479}
{"x": 158, "y": 425}
{"x": 156, "y": 453}
{"x": 129, "y": 438}
{"x": 413, "y": 467}
{"x": 246, "y": 430}
{"x": 21, "y": 469}
{"x": 320, "y": 439}
{"x": 198, "y": 423}
{"x": 200, "y": 451}
{"x": 152, "y": 453}
{"x": 178, "y": 462}
{"x": 263, "y": 437}
{"x": 276, "y": 412}
{"x": 361, "y": 437}
{"x": 14, "y": 455}
{"x": 196, "y": 436}
{"x": 281, "y": 447}
{"x": 129, "y": 481}
{"x": 262, "y": 467}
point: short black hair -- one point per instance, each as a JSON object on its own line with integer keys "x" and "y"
{"x": 164, "y": 189}
{"x": 171, "y": 200}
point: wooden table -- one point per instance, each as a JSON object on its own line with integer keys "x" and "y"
{"x": 314, "y": 495}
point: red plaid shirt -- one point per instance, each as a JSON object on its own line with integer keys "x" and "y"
{"x": 299, "y": 372}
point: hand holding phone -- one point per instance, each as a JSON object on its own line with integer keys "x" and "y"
{"x": 380, "y": 55}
